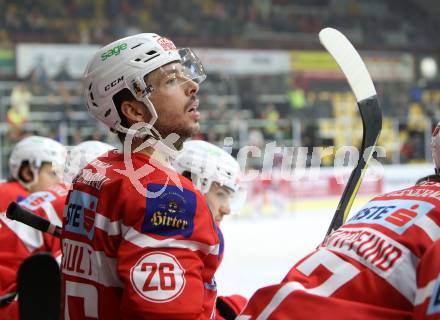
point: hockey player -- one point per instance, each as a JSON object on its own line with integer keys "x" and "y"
{"x": 19, "y": 240}
{"x": 427, "y": 300}
{"x": 216, "y": 174}
{"x": 30, "y": 168}
{"x": 367, "y": 269}
{"x": 138, "y": 239}
{"x": 213, "y": 171}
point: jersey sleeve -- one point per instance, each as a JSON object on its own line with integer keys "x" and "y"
{"x": 427, "y": 301}
{"x": 47, "y": 205}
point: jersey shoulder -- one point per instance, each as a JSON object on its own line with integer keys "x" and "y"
{"x": 11, "y": 191}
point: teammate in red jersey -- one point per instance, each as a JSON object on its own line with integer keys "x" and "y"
{"x": 427, "y": 302}
{"x": 30, "y": 166}
{"x": 138, "y": 240}
{"x": 370, "y": 268}
{"x": 216, "y": 174}
{"x": 19, "y": 240}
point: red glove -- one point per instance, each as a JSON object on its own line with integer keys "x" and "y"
{"x": 229, "y": 307}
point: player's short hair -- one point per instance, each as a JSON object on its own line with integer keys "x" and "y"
{"x": 430, "y": 178}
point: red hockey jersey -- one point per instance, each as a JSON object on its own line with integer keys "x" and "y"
{"x": 20, "y": 241}
{"x": 367, "y": 269}
{"x": 427, "y": 304}
{"x": 11, "y": 191}
{"x": 139, "y": 242}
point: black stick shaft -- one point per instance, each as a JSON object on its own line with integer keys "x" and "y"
{"x": 16, "y": 212}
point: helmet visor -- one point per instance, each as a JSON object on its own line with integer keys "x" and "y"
{"x": 192, "y": 67}
{"x": 175, "y": 73}
{"x": 238, "y": 200}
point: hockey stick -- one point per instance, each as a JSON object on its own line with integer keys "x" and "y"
{"x": 16, "y": 212}
{"x": 362, "y": 86}
{"x": 7, "y": 299}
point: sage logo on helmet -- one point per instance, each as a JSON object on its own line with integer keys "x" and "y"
{"x": 113, "y": 51}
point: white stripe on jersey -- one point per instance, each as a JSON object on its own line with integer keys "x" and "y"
{"x": 113, "y": 228}
{"x": 31, "y": 238}
{"x": 51, "y": 213}
{"x": 429, "y": 226}
{"x": 425, "y": 292}
{"x": 343, "y": 272}
{"x": 94, "y": 265}
{"x": 279, "y": 297}
{"x": 144, "y": 241}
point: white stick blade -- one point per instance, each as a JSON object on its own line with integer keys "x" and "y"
{"x": 349, "y": 61}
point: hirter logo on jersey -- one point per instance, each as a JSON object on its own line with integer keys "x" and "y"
{"x": 170, "y": 214}
{"x": 80, "y": 212}
{"x": 166, "y": 44}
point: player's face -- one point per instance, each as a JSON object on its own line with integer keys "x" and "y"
{"x": 175, "y": 100}
{"x": 47, "y": 178}
{"x": 218, "y": 199}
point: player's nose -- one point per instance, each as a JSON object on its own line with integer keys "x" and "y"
{"x": 191, "y": 87}
{"x": 224, "y": 210}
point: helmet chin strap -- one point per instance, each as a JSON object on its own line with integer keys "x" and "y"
{"x": 163, "y": 147}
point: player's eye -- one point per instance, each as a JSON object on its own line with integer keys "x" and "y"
{"x": 222, "y": 195}
{"x": 53, "y": 173}
{"x": 171, "y": 79}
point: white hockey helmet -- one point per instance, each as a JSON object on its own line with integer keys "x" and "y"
{"x": 124, "y": 64}
{"x": 435, "y": 148}
{"x": 208, "y": 163}
{"x": 80, "y": 155}
{"x": 35, "y": 150}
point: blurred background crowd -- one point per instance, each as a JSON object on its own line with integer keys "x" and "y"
{"x": 269, "y": 79}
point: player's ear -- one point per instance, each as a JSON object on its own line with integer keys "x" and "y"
{"x": 26, "y": 173}
{"x": 133, "y": 111}
{"x": 187, "y": 175}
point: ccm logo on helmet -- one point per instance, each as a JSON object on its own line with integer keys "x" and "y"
{"x": 113, "y": 83}
{"x": 113, "y": 51}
